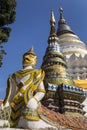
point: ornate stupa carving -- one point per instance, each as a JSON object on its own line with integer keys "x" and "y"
{"x": 74, "y": 50}
{"x": 62, "y": 94}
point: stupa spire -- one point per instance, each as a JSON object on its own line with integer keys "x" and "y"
{"x": 52, "y": 19}
{"x": 52, "y": 24}
{"x": 62, "y": 20}
{"x": 61, "y": 12}
{"x": 62, "y": 25}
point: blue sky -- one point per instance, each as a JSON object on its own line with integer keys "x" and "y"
{"x": 32, "y": 27}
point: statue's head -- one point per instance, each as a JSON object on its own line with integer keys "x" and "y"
{"x": 29, "y": 58}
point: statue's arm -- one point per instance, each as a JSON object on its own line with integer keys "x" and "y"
{"x": 33, "y": 102}
{"x": 40, "y": 92}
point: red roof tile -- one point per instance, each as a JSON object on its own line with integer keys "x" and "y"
{"x": 74, "y": 123}
{"x": 1, "y": 101}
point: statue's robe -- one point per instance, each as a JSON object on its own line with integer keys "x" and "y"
{"x": 26, "y": 85}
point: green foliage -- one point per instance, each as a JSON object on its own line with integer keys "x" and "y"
{"x": 7, "y": 16}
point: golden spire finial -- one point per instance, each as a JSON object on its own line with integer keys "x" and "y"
{"x": 52, "y": 23}
{"x": 61, "y": 12}
{"x": 52, "y": 20}
{"x": 61, "y": 9}
{"x": 62, "y": 20}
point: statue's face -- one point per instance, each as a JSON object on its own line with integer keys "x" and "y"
{"x": 30, "y": 59}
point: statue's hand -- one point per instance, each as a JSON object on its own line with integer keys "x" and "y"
{"x": 2, "y": 107}
{"x": 32, "y": 104}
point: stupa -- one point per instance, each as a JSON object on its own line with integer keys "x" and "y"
{"x": 75, "y": 53}
{"x": 61, "y": 93}
{"x": 74, "y": 50}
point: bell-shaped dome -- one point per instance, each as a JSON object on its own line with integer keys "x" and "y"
{"x": 70, "y": 43}
{"x": 62, "y": 26}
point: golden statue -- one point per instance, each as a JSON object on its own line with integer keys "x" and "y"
{"x": 25, "y": 90}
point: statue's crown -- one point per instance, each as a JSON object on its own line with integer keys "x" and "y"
{"x": 31, "y": 51}
{"x": 29, "y": 58}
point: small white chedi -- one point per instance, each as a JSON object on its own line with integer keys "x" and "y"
{"x": 25, "y": 90}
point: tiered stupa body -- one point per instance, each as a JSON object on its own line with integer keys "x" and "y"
{"x": 73, "y": 49}
{"x": 62, "y": 94}
{"x": 75, "y": 52}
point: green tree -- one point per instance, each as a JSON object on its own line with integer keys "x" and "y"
{"x": 7, "y": 16}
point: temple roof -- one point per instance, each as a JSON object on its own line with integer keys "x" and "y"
{"x": 62, "y": 25}
{"x": 60, "y": 120}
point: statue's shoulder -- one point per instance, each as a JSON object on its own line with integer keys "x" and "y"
{"x": 22, "y": 73}
{"x": 39, "y": 73}
{"x": 18, "y": 73}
